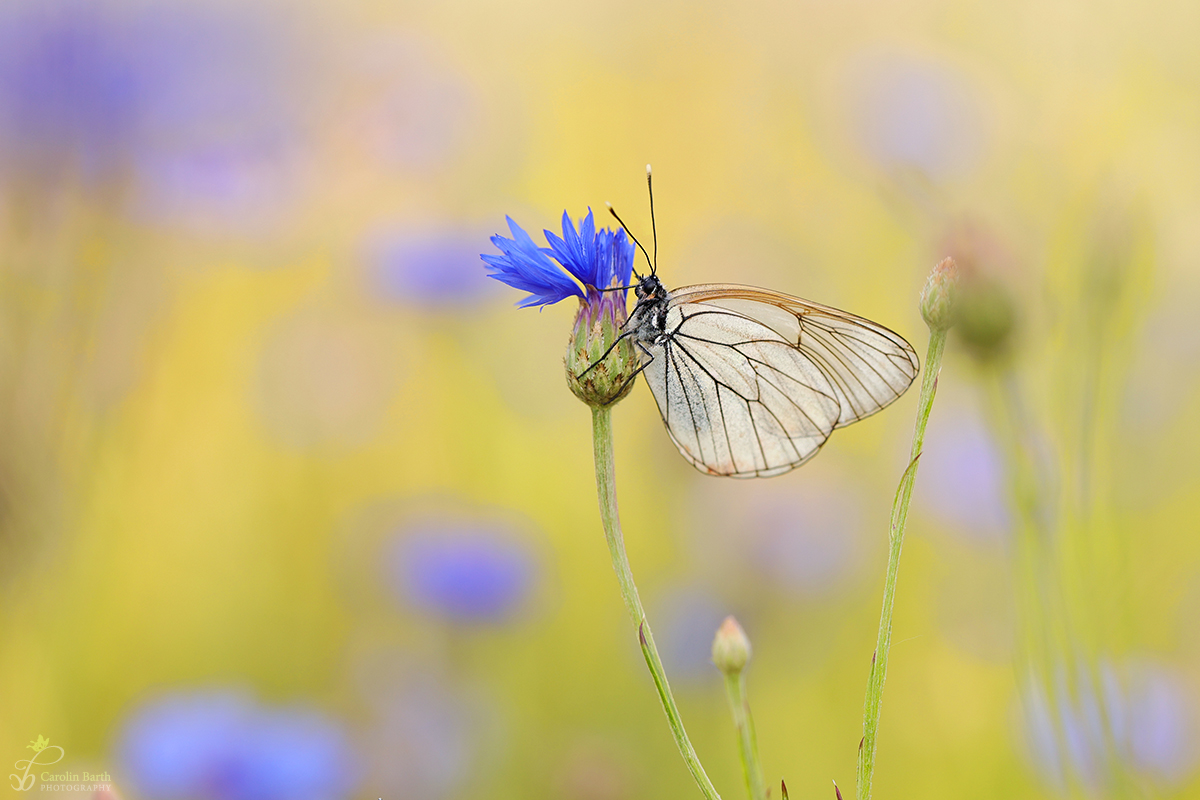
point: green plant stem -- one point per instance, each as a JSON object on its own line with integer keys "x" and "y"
{"x": 1049, "y": 633}
{"x": 606, "y": 490}
{"x": 735, "y": 689}
{"x": 874, "y": 698}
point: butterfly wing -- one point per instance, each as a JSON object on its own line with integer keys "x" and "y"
{"x": 736, "y": 398}
{"x": 751, "y": 383}
{"x": 867, "y": 365}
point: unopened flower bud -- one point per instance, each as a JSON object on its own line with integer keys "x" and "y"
{"x": 938, "y": 296}
{"x": 985, "y": 318}
{"x": 598, "y": 372}
{"x": 731, "y": 648}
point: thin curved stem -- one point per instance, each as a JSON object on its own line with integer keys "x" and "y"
{"x": 874, "y": 698}
{"x": 606, "y": 491}
{"x": 735, "y": 689}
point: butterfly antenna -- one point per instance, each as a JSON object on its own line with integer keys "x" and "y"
{"x": 653, "y": 228}
{"x": 625, "y": 228}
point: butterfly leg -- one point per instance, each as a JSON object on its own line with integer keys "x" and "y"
{"x": 633, "y": 314}
{"x": 645, "y": 363}
{"x": 604, "y": 355}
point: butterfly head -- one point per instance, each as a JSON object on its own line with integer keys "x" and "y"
{"x": 649, "y": 289}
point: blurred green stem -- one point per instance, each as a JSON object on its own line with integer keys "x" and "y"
{"x": 735, "y": 688}
{"x": 874, "y": 698}
{"x": 1049, "y": 635}
{"x": 606, "y": 490}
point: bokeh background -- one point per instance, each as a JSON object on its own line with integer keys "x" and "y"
{"x": 294, "y": 504}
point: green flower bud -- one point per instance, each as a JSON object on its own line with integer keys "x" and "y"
{"x": 984, "y": 319}
{"x": 731, "y": 648}
{"x": 939, "y": 294}
{"x": 598, "y": 372}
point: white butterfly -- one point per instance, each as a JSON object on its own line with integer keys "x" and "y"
{"x": 750, "y": 382}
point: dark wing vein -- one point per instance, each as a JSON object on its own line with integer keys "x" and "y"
{"x": 776, "y": 407}
{"x": 755, "y": 364}
{"x": 671, "y": 360}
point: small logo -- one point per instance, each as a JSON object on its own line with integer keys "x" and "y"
{"x": 44, "y": 754}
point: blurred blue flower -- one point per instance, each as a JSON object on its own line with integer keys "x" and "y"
{"x": 1041, "y": 737}
{"x": 474, "y": 573}
{"x": 245, "y": 185}
{"x": 916, "y": 114}
{"x": 964, "y": 477}
{"x": 191, "y": 104}
{"x": 1163, "y": 731}
{"x": 802, "y": 541}
{"x": 805, "y": 543}
{"x": 434, "y": 266}
{"x": 597, "y": 259}
{"x": 690, "y": 616}
{"x": 1151, "y": 719}
{"x": 222, "y": 745}
{"x": 66, "y": 84}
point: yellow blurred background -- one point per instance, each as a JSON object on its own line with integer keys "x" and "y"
{"x": 294, "y": 503}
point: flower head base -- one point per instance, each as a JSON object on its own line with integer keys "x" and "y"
{"x": 601, "y": 369}
{"x": 600, "y": 365}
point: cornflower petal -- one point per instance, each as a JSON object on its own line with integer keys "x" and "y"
{"x": 526, "y": 267}
{"x": 603, "y": 258}
{"x": 561, "y": 251}
{"x": 587, "y": 236}
{"x": 620, "y": 265}
{"x": 597, "y": 259}
{"x": 577, "y": 251}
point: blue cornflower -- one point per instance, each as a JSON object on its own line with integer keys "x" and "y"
{"x": 596, "y": 259}
{"x": 471, "y": 574}
{"x": 692, "y": 613}
{"x": 967, "y": 478}
{"x": 1144, "y": 708}
{"x": 601, "y": 363}
{"x": 224, "y": 745}
{"x": 433, "y": 266}
{"x": 187, "y": 106}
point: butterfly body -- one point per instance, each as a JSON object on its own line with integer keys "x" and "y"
{"x": 750, "y": 382}
{"x": 649, "y": 318}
